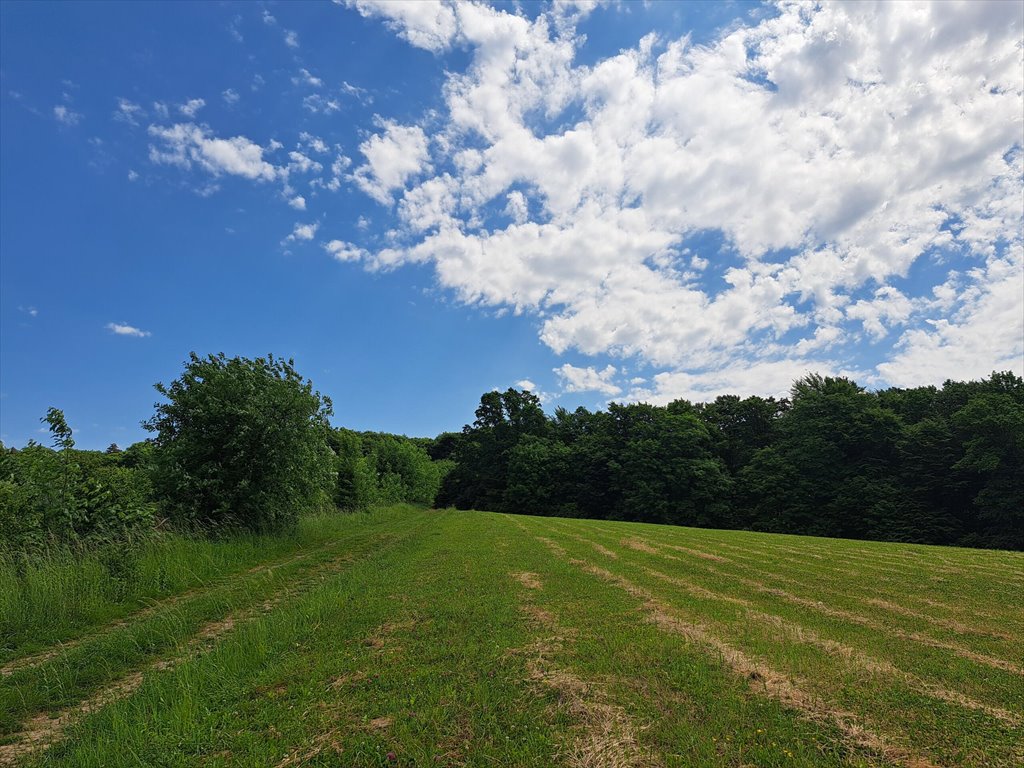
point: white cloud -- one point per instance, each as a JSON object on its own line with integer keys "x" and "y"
{"x": 314, "y": 143}
{"x": 128, "y": 112}
{"x": 527, "y": 385}
{"x": 234, "y": 31}
{"x": 588, "y": 379}
{"x": 191, "y": 107}
{"x": 766, "y": 378}
{"x": 832, "y": 147}
{"x": 344, "y": 251}
{"x": 985, "y": 334}
{"x": 888, "y": 307}
{"x": 123, "y": 329}
{"x": 187, "y": 144}
{"x": 66, "y": 115}
{"x": 298, "y": 203}
{"x": 230, "y": 96}
{"x": 161, "y": 110}
{"x": 517, "y": 208}
{"x": 429, "y": 25}
{"x": 305, "y": 77}
{"x": 392, "y": 158}
{"x": 291, "y": 38}
{"x": 303, "y": 232}
{"x": 320, "y": 105}
{"x": 300, "y": 163}
{"x": 132, "y": 175}
{"x": 356, "y": 91}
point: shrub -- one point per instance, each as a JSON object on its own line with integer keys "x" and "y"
{"x": 240, "y": 443}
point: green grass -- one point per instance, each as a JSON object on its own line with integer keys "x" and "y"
{"x": 414, "y": 637}
{"x": 61, "y": 594}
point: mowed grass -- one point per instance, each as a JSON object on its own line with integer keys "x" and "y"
{"x": 416, "y": 637}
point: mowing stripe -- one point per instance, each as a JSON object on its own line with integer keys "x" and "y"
{"x": 877, "y": 563}
{"x": 744, "y": 554}
{"x": 852, "y": 657}
{"x": 816, "y": 605}
{"x": 607, "y": 735}
{"x": 761, "y": 678}
{"x": 42, "y": 731}
{"x": 886, "y": 605}
{"x": 28, "y": 662}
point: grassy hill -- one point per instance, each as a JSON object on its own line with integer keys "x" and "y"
{"x": 414, "y": 637}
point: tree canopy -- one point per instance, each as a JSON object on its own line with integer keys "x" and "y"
{"x": 240, "y": 442}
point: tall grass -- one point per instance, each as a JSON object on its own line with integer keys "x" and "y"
{"x": 51, "y": 596}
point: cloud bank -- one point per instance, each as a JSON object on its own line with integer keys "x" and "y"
{"x": 830, "y": 184}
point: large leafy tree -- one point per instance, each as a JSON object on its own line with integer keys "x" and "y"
{"x": 240, "y": 443}
{"x": 831, "y": 473}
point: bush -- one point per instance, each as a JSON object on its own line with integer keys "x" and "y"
{"x": 240, "y": 443}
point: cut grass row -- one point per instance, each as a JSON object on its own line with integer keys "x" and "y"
{"x": 962, "y": 605}
{"x": 56, "y": 596}
{"x": 891, "y": 682}
{"x": 444, "y": 638}
{"x": 941, "y": 658}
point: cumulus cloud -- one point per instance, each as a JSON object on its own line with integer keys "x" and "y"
{"x": 187, "y": 145}
{"x": 298, "y": 203}
{"x": 830, "y": 147}
{"x": 588, "y": 379}
{"x": 123, "y": 329}
{"x": 230, "y": 96}
{"x": 314, "y": 143}
{"x": 303, "y": 232}
{"x": 392, "y": 158}
{"x": 429, "y": 25}
{"x": 300, "y": 163}
{"x": 344, "y": 251}
{"x": 191, "y": 107}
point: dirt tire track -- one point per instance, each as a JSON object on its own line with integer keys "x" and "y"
{"x": 789, "y": 691}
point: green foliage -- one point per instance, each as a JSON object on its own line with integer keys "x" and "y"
{"x": 240, "y": 442}
{"x": 921, "y": 465}
{"x": 376, "y": 469}
{"x": 68, "y": 496}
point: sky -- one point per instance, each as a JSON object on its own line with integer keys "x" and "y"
{"x": 420, "y": 202}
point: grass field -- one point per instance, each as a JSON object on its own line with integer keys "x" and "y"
{"x": 413, "y": 637}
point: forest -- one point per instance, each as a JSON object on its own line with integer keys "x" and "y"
{"x": 927, "y": 465}
{"x": 242, "y": 443}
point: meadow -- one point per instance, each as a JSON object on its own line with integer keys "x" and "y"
{"x": 407, "y": 636}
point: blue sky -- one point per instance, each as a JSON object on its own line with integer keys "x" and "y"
{"x": 420, "y": 202}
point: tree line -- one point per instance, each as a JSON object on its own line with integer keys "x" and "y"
{"x": 927, "y": 464}
{"x": 247, "y": 443}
